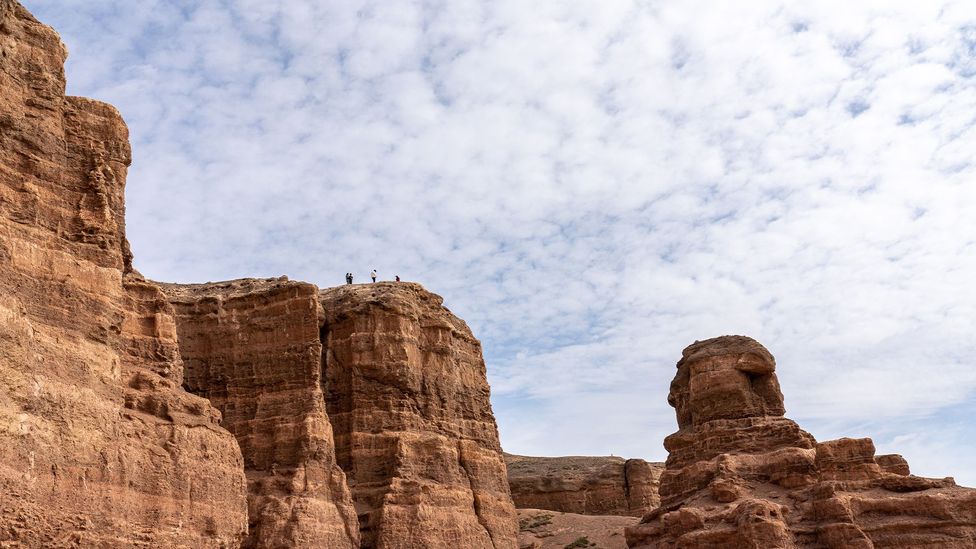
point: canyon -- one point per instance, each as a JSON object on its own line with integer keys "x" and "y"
{"x": 271, "y": 413}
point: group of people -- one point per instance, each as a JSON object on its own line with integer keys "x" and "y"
{"x": 372, "y": 275}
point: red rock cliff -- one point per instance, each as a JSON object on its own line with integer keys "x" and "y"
{"x": 252, "y": 348}
{"x": 584, "y": 485}
{"x": 99, "y": 445}
{"x": 739, "y": 474}
{"x": 408, "y": 396}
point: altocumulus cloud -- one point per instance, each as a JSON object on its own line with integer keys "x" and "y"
{"x": 591, "y": 184}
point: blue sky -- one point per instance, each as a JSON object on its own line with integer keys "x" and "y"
{"x": 592, "y": 185}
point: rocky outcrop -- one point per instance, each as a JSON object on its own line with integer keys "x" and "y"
{"x": 739, "y": 474}
{"x": 407, "y": 393}
{"x": 99, "y": 445}
{"x": 584, "y": 485}
{"x": 252, "y": 348}
{"x": 362, "y": 413}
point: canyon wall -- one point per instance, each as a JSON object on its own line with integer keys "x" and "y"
{"x": 584, "y": 485}
{"x": 740, "y": 474}
{"x": 362, "y": 413}
{"x": 251, "y": 413}
{"x": 99, "y": 445}
{"x": 407, "y": 393}
{"x": 252, "y": 348}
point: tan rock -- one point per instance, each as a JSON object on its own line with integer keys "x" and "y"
{"x": 739, "y": 474}
{"x": 584, "y": 485}
{"x": 99, "y": 445}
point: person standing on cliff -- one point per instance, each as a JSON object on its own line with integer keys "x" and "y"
{"x": 348, "y": 278}
{"x": 373, "y": 274}
{"x": 398, "y": 278}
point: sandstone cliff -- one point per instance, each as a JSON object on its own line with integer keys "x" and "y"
{"x": 407, "y": 393}
{"x": 584, "y": 485}
{"x": 99, "y": 445}
{"x": 252, "y": 348}
{"x": 362, "y": 412}
{"x": 739, "y": 474}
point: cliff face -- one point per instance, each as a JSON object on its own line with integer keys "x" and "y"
{"x": 739, "y": 474}
{"x": 99, "y": 445}
{"x": 252, "y": 348}
{"x": 408, "y": 397}
{"x": 362, "y": 413}
{"x": 584, "y": 485}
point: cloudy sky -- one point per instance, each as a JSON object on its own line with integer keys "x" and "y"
{"x": 592, "y": 185}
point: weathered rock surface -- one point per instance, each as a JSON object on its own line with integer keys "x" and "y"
{"x": 544, "y": 529}
{"x": 584, "y": 485}
{"x": 99, "y": 445}
{"x": 252, "y": 348}
{"x": 407, "y": 393}
{"x": 739, "y": 474}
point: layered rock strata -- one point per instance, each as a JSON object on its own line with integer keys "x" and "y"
{"x": 407, "y": 393}
{"x": 584, "y": 485}
{"x": 99, "y": 445}
{"x": 739, "y": 474}
{"x": 252, "y": 348}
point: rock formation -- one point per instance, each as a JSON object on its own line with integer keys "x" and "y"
{"x": 355, "y": 417}
{"x": 362, "y": 412}
{"x": 99, "y": 445}
{"x": 739, "y": 474}
{"x": 252, "y": 348}
{"x": 407, "y": 393}
{"x": 584, "y": 485}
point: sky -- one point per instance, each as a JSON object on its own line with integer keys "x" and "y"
{"x": 591, "y": 185}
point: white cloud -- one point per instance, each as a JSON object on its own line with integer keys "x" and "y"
{"x": 592, "y": 185}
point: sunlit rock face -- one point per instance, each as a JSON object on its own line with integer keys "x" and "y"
{"x": 739, "y": 474}
{"x": 99, "y": 444}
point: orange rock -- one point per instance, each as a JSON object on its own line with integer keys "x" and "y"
{"x": 99, "y": 445}
{"x": 739, "y": 474}
{"x": 408, "y": 396}
{"x": 252, "y": 348}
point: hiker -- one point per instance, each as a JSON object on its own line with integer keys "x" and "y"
{"x": 348, "y": 278}
{"x": 398, "y": 278}
{"x": 373, "y": 274}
